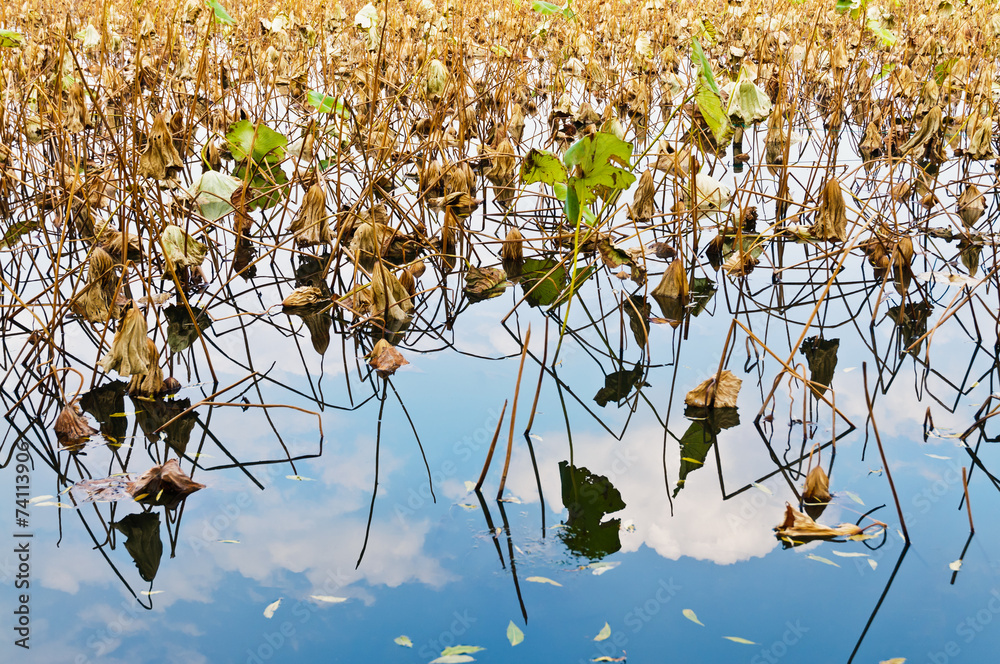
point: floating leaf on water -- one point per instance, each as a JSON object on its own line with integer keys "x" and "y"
{"x": 328, "y": 599}
{"x": 761, "y": 487}
{"x": 514, "y": 634}
{"x": 452, "y": 659}
{"x": 894, "y": 660}
{"x": 470, "y": 486}
{"x": 468, "y": 506}
{"x": 484, "y": 283}
{"x": 690, "y": 615}
{"x": 403, "y": 640}
{"x": 799, "y": 526}
{"x": 956, "y": 565}
{"x": 167, "y": 482}
{"x": 38, "y": 499}
{"x": 738, "y": 639}
{"x": 542, "y": 579}
{"x": 850, "y": 554}
{"x": 855, "y": 497}
{"x": 299, "y": 478}
{"x": 725, "y": 390}
{"x": 872, "y": 563}
{"x": 272, "y": 607}
{"x": 604, "y": 633}
{"x": 150, "y": 592}
{"x": 821, "y": 559}
{"x": 601, "y": 567}
{"x": 228, "y": 541}
{"x": 937, "y": 456}
{"x": 460, "y": 650}
{"x": 385, "y": 359}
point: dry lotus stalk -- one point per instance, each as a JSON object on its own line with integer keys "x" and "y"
{"x": 129, "y": 354}
{"x": 163, "y": 485}
{"x": 161, "y": 159}
{"x": 151, "y": 383}
{"x": 971, "y": 205}
{"x": 311, "y": 225}
{"x": 71, "y": 426}
{"x": 674, "y": 282}
{"x": 831, "y": 218}
{"x": 385, "y": 359}
{"x": 642, "y": 208}
{"x": 797, "y": 525}
{"x": 726, "y": 389}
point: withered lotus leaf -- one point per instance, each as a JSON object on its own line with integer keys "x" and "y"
{"x": 161, "y": 159}
{"x": 674, "y": 282}
{"x": 180, "y": 249}
{"x": 797, "y": 525}
{"x": 831, "y": 218}
{"x": 385, "y": 359}
{"x": 304, "y": 296}
{"x": 71, "y": 426}
{"x": 311, "y": 225}
{"x": 129, "y": 354}
{"x": 151, "y": 383}
{"x": 817, "y": 486}
{"x": 163, "y": 485}
{"x": 726, "y": 388}
{"x": 971, "y": 205}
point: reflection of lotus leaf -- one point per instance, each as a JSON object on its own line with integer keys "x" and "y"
{"x": 181, "y": 330}
{"x": 152, "y": 414}
{"x": 821, "y": 355}
{"x": 706, "y": 423}
{"x": 142, "y": 533}
{"x": 618, "y": 385}
{"x": 589, "y": 497}
{"x": 107, "y": 404}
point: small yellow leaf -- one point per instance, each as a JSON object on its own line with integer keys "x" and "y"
{"x": 955, "y": 566}
{"x": 329, "y": 599}
{"x": 229, "y": 541}
{"x": 690, "y": 615}
{"x": 299, "y": 478}
{"x": 822, "y": 560}
{"x": 737, "y": 639}
{"x": 271, "y": 608}
{"x": 403, "y": 641}
{"x": 604, "y": 633}
{"x": 542, "y": 579}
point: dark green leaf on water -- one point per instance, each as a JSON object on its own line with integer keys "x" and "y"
{"x": 548, "y": 287}
{"x": 484, "y": 283}
{"x": 542, "y": 166}
{"x": 10, "y": 39}
{"x": 221, "y": 15}
{"x": 700, "y": 291}
{"x": 181, "y": 330}
{"x": 589, "y": 498}
{"x": 267, "y": 183}
{"x": 619, "y": 384}
{"x": 706, "y": 423}
{"x": 142, "y": 541}
{"x": 612, "y": 255}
